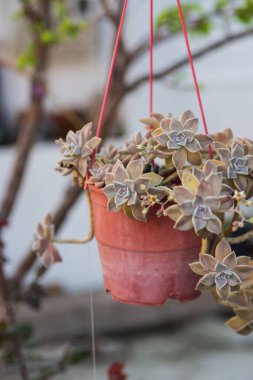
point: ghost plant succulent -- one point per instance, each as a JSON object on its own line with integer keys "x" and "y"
{"x": 43, "y": 242}
{"x": 170, "y": 168}
{"x": 236, "y": 166}
{"x": 180, "y": 139}
{"x": 199, "y": 203}
{"x": 77, "y": 152}
{"x": 224, "y": 270}
{"x": 125, "y": 187}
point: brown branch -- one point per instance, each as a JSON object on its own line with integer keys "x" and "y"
{"x": 181, "y": 63}
{"x": 24, "y": 143}
{"x": 10, "y": 314}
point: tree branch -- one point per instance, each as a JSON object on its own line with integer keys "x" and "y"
{"x": 198, "y": 54}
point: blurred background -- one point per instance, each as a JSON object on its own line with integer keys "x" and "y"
{"x": 41, "y": 102}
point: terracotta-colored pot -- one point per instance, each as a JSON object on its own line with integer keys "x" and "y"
{"x": 144, "y": 263}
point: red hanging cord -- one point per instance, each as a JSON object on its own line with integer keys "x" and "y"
{"x": 109, "y": 80}
{"x": 151, "y": 43}
{"x": 193, "y": 72}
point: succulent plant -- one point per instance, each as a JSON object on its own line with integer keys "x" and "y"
{"x": 225, "y": 271}
{"x": 125, "y": 186}
{"x": 77, "y": 152}
{"x": 199, "y": 204}
{"x": 107, "y": 155}
{"x": 42, "y": 243}
{"x": 153, "y": 121}
{"x": 237, "y": 167}
{"x": 242, "y": 304}
{"x": 179, "y": 139}
{"x": 130, "y": 150}
{"x": 98, "y": 173}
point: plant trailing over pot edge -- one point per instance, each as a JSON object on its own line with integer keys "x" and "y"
{"x": 168, "y": 173}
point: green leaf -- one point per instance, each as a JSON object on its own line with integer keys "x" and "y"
{"x": 221, "y": 4}
{"x": 244, "y": 13}
{"x": 48, "y": 37}
{"x": 169, "y": 17}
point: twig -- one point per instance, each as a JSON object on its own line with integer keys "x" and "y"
{"x": 200, "y": 53}
{"x": 23, "y": 146}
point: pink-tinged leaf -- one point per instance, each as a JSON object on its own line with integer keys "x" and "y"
{"x": 194, "y": 147}
{"x": 208, "y": 279}
{"x": 207, "y": 261}
{"x": 222, "y": 250}
{"x": 155, "y": 179}
{"x": 109, "y": 191}
{"x": 190, "y": 182}
{"x": 204, "y": 189}
{"x": 186, "y": 115}
{"x": 173, "y": 212}
{"x": 187, "y": 208}
{"x": 192, "y": 124}
{"x": 176, "y": 125}
{"x": 214, "y": 226}
{"x": 204, "y": 140}
{"x": 215, "y": 181}
{"x": 197, "y": 268}
{"x": 137, "y": 213}
{"x": 179, "y": 158}
{"x": 184, "y": 223}
{"x": 109, "y": 178}
{"x": 162, "y": 139}
{"x": 135, "y": 169}
{"x": 239, "y": 325}
{"x": 182, "y": 194}
{"x": 198, "y": 224}
{"x": 226, "y": 202}
{"x": 224, "y": 154}
{"x": 237, "y": 151}
{"x": 230, "y": 260}
{"x": 224, "y": 291}
{"x": 243, "y": 260}
{"x": 194, "y": 158}
{"x": 234, "y": 280}
{"x": 121, "y": 173}
{"x": 243, "y": 271}
{"x": 94, "y": 142}
{"x": 111, "y": 205}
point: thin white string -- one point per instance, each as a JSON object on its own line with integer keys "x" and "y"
{"x": 93, "y": 338}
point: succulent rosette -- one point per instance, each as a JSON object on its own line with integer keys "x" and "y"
{"x": 179, "y": 141}
{"x": 42, "y": 242}
{"x": 199, "y": 204}
{"x": 224, "y": 270}
{"x": 77, "y": 152}
{"x": 242, "y": 304}
{"x": 98, "y": 173}
{"x": 125, "y": 187}
{"x": 130, "y": 150}
{"x": 236, "y": 167}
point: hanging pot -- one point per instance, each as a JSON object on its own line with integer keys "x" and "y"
{"x": 144, "y": 263}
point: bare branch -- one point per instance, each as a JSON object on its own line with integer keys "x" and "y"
{"x": 24, "y": 143}
{"x": 181, "y": 63}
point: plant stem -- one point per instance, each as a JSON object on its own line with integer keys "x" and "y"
{"x": 241, "y": 238}
{"x": 90, "y": 235}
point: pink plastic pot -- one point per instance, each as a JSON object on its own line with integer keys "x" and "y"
{"x": 144, "y": 263}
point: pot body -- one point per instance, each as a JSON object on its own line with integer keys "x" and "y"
{"x": 144, "y": 263}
